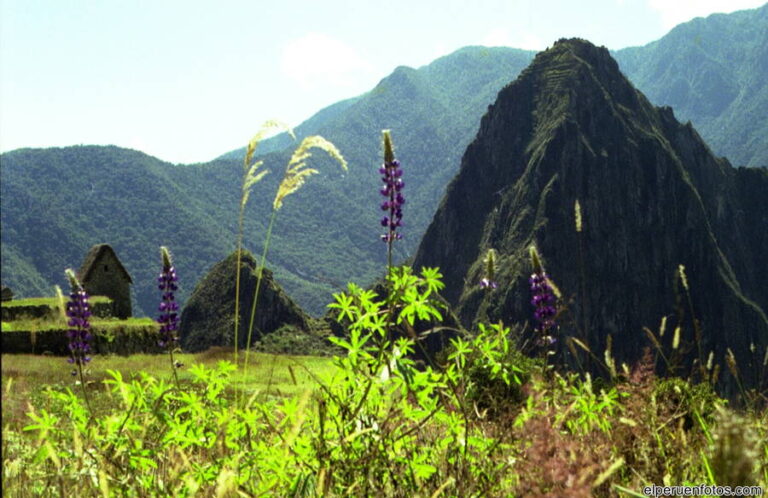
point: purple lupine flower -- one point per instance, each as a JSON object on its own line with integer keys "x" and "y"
{"x": 169, "y": 308}
{"x": 78, "y": 313}
{"x": 391, "y": 175}
{"x": 543, "y": 299}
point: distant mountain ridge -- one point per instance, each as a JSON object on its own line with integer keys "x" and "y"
{"x": 144, "y": 202}
{"x": 326, "y": 235}
{"x": 652, "y": 197}
{"x": 714, "y": 72}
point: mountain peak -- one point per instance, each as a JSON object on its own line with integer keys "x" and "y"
{"x": 573, "y": 79}
{"x": 652, "y": 196}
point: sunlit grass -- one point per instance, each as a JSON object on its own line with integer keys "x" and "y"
{"x": 40, "y": 324}
{"x": 47, "y": 301}
{"x": 26, "y": 377}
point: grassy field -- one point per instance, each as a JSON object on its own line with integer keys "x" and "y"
{"x": 48, "y": 301}
{"x": 40, "y": 324}
{"x": 553, "y": 434}
{"x": 26, "y": 377}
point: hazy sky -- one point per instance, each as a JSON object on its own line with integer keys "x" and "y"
{"x": 187, "y": 80}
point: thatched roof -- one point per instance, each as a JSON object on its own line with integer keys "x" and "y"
{"x": 93, "y": 256}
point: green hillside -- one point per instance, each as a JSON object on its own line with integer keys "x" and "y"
{"x": 714, "y": 72}
{"x": 58, "y": 202}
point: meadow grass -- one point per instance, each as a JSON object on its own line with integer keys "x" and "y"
{"x": 486, "y": 422}
{"x": 39, "y": 324}
{"x": 47, "y": 301}
{"x": 26, "y": 377}
{"x": 482, "y": 419}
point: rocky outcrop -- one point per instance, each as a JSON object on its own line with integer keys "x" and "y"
{"x": 652, "y": 195}
{"x": 208, "y": 317}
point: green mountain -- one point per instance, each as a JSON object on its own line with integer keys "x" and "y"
{"x": 714, "y": 72}
{"x": 56, "y": 203}
{"x": 652, "y": 196}
{"x": 208, "y": 317}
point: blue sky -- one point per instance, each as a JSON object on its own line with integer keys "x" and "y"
{"x": 188, "y": 80}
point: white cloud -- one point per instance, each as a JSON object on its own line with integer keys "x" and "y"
{"x": 674, "y": 12}
{"x": 500, "y": 37}
{"x": 318, "y": 60}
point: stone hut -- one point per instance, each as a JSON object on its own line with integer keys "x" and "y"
{"x": 102, "y": 274}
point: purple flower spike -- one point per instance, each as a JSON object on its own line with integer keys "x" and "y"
{"x": 169, "y": 308}
{"x": 78, "y": 311}
{"x": 393, "y": 185}
{"x": 543, "y": 299}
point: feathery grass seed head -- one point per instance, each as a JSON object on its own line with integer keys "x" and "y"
{"x": 296, "y": 172}
{"x": 577, "y": 215}
{"x": 730, "y": 360}
{"x": 61, "y": 303}
{"x": 676, "y": 338}
{"x": 267, "y": 128}
{"x": 251, "y": 173}
{"x": 683, "y": 277}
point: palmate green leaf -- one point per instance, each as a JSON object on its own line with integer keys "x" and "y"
{"x": 45, "y": 422}
{"x": 344, "y": 305}
{"x": 433, "y": 279}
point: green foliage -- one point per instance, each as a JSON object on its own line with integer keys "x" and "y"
{"x": 37, "y": 186}
{"x": 378, "y": 426}
{"x": 696, "y": 402}
{"x": 590, "y": 410}
{"x": 488, "y": 369}
{"x": 387, "y": 427}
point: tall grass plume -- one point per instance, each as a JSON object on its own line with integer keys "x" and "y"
{"x": 295, "y": 176}
{"x": 252, "y": 174}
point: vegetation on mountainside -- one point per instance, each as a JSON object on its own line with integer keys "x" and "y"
{"x": 709, "y": 70}
{"x": 200, "y": 198}
{"x": 496, "y": 413}
{"x": 481, "y": 418}
{"x": 712, "y": 72}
